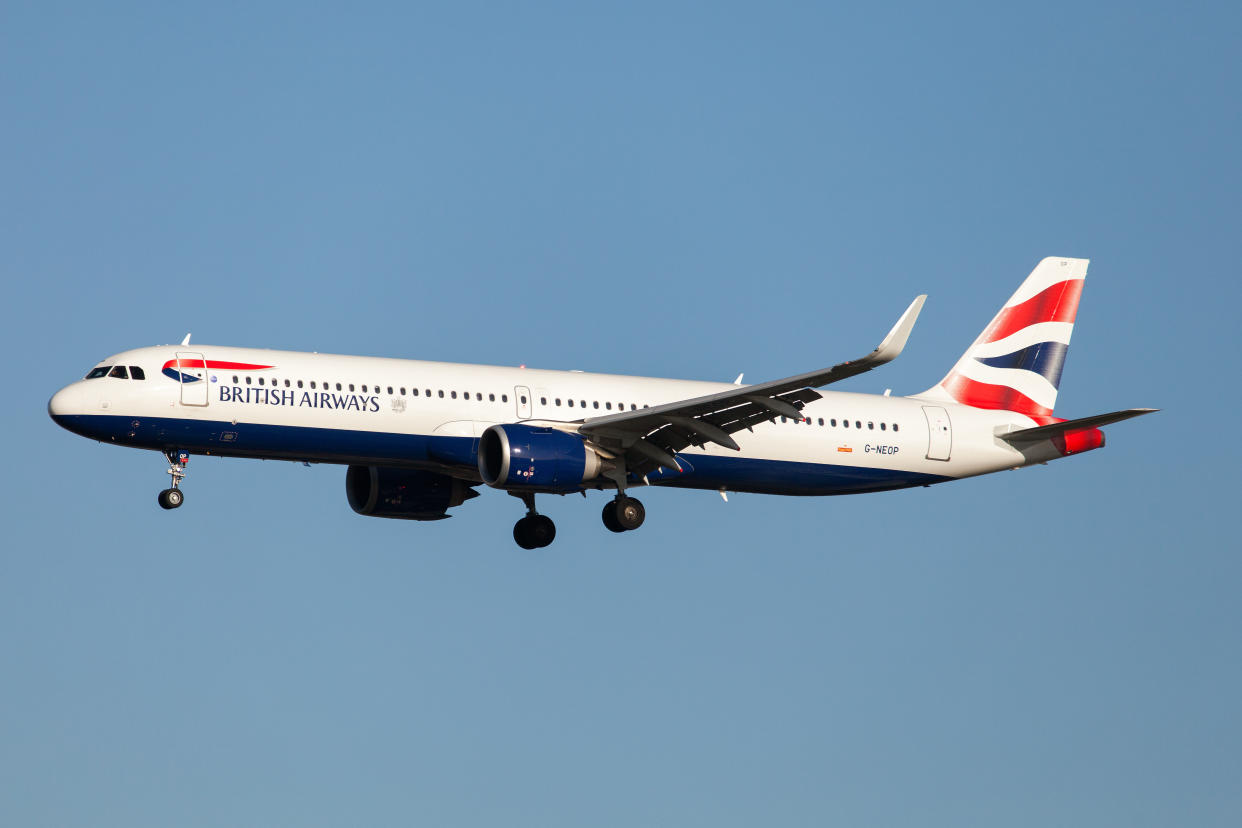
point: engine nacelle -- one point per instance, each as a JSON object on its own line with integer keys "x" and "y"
{"x": 522, "y": 457}
{"x": 409, "y": 494}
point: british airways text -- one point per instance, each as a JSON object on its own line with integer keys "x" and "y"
{"x": 304, "y": 399}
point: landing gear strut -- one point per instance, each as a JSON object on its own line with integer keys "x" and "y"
{"x": 173, "y": 497}
{"x": 624, "y": 513}
{"x": 534, "y": 531}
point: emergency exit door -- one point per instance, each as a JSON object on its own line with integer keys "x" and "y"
{"x": 193, "y": 371}
{"x": 939, "y": 433}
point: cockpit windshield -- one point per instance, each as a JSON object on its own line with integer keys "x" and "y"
{"x": 98, "y": 372}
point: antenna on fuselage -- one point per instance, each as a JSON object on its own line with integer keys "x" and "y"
{"x": 186, "y": 341}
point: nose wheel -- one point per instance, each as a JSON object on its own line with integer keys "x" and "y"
{"x": 173, "y": 497}
{"x": 624, "y": 514}
{"x": 534, "y": 531}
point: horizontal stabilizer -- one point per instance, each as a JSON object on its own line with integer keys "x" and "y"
{"x": 1047, "y": 432}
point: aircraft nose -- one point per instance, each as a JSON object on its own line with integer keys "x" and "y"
{"x": 65, "y": 403}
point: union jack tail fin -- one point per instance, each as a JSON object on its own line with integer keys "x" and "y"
{"x": 1015, "y": 364}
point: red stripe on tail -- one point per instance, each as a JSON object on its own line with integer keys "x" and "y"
{"x": 1056, "y": 303}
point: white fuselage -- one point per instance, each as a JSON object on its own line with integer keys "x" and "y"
{"x": 414, "y": 414}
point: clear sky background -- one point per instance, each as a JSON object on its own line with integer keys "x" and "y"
{"x": 683, "y": 190}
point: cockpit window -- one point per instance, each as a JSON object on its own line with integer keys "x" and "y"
{"x": 98, "y": 372}
{"x": 136, "y": 373}
{"x": 119, "y": 372}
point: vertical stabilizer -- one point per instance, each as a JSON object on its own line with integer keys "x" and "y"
{"x": 1015, "y": 364}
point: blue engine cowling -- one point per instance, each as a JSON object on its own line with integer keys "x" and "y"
{"x": 408, "y": 494}
{"x": 530, "y": 458}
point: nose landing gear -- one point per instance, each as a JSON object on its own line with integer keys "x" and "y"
{"x": 534, "y": 531}
{"x": 173, "y": 497}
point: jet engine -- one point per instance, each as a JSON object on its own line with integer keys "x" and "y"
{"x": 531, "y": 458}
{"x": 409, "y": 494}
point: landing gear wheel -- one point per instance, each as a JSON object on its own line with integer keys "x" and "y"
{"x": 171, "y": 498}
{"x": 629, "y": 512}
{"x": 610, "y": 517}
{"x": 534, "y": 531}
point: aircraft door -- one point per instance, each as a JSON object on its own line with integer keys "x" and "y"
{"x": 521, "y": 396}
{"x": 192, "y": 369}
{"x": 939, "y": 433}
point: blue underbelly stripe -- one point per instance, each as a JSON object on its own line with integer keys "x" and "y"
{"x": 330, "y": 445}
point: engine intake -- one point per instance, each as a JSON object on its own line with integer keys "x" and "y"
{"x": 408, "y": 494}
{"x": 531, "y": 458}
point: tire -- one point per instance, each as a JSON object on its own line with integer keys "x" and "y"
{"x": 542, "y": 530}
{"x": 171, "y": 498}
{"x": 630, "y": 513}
{"x": 610, "y": 517}
{"x": 522, "y": 534}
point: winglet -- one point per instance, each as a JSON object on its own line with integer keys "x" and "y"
{"x": 186, "y": 341}
{"x": 896, "y": 339}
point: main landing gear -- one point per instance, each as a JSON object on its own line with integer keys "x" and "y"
{"x": 534, "y": 531}
{"x": 173, "y": 497}
{"x": 624, "y": 513}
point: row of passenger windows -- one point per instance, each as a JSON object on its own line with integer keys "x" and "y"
{"x": 832, "y": 421}
{"x": 416, "y": 392}
{"x": 371, "y": 389}
{"x": 117, "y": 371}
{"x": 135, "y": 372}
{"x": 504, "y": 398}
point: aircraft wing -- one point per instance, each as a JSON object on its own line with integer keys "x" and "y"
{"x": 649, "y": 437}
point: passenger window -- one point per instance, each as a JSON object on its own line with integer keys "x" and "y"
{"x": 783, "y": 420}
{"x": 453, "y": 394}
{"x": 286, "y": 383}
{"x": 883, "y": 426}
{"x": 136, "y": 373}
{"x": 440, "y": 394}
{"x": 96, "y": 373}
{"x": 608, "y": 405}
{"x": 491, "y": 398}
{"x": 260, "y": 380}
{"x": 235, "y": 380}
{"x": 894, "y": 426}
{"x": 119, "y": 372}
{"x": 821, "y": 420}
{"x": 583, "y": 403}
{"x": 845, "y": 423}
{"x": 338, "y": 386}
{"x": 478, "y": 396}
{"x": 571, "y": 403}
{"x": 543, "y": 400}
{"x": 247, "y": 380}
{"x": 312, "y": 383}
{"x": 871, "y": 426}
{"x": 633, "y": 406}
{"x": 351, "y": 386}
{"x": 858, "y": 424}
{"x": 833, "y": 422}
{"x": 557, "y": 401}
{"x": 504, "y": 397}
{"x": 299, "y": 383}
{"x": 523, "y": 399}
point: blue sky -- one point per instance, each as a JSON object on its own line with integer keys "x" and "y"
{"x": 685, "y": 190}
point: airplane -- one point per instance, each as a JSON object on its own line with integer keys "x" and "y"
{"x": 419, "y": 437}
